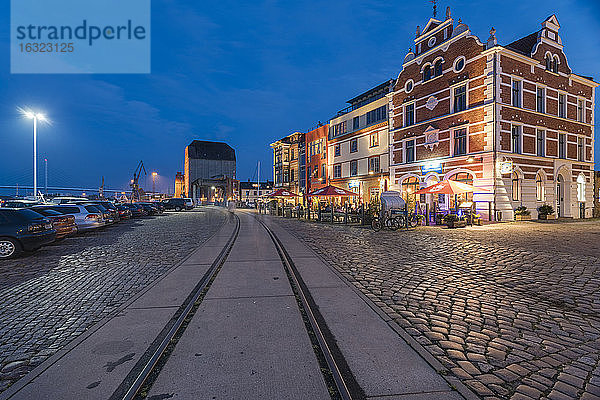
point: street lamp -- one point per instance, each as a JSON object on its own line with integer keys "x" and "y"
{"x": 35, "y": 117}
{"x": 154, "y": 175}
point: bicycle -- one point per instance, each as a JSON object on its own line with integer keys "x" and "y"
{"x": 390, "y": 223}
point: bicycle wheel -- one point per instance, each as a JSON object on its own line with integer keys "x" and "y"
{"x": 392, "y": 224}
{"x": 401, "y": 221}
{"x": 413, "y": 221}
{"x": 376, "y": 224}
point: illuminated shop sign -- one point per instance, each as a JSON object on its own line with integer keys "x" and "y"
{"x": 506, "y": 167}
{"x": 431, "y": 166}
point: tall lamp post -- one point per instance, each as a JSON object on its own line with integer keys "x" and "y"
{"x": 154, "y": 174}
{"x": 35, "y": 117}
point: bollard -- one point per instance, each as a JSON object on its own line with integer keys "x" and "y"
{"x": 427, "y": 214}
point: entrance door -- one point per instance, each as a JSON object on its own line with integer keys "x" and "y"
{"x": 560, "y": 194}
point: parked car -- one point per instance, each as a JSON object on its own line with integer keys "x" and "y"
{"x": 137, "y": 211}
{"x": 23, "y": 230}
{"x": 85, "y": 218}
{"x": 18, "y": 203}
{"x": 178, "y": 204}
{"x": 124, "y": 212}
{"x": 149, "y": 208}
{"x": 158, "y": 209}
{"x": 65, "y": 200}
{"x": 64, "y": 224}
{"x": 110, "y": 215}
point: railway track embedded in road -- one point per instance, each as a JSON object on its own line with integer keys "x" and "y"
{"x": 340, "y": 382}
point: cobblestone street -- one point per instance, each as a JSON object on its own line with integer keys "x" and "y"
{"x": 511, "y": 309}
{"x": 50, "y": 297}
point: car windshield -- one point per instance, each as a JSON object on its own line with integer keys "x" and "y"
{"x": 93, "y": 209}
{"x": 67, "y": 209}
{"x": 26, "y": 215}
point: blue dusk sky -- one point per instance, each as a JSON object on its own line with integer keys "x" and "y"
{"x": 247, "y": 73}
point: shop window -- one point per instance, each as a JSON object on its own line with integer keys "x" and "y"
{"x": 541, "y": 143}
{"x": 463, "y": 177}
{"x": 516, "y": 195}
{"x": 353, "y": 167}
{"x": 516, "y": 93}
{"x": 539, "y": 187}
{"x": 460, "y": 141}
{"x": 516, "y": 139}
{"x": 409, "y": 186}
{"x": 410, "y": 151}
{"x": 581, "y": 188}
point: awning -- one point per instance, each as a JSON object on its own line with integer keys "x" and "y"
{"x": 331, "y": 191}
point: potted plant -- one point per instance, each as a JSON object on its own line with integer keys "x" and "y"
{"x": 452, "y": 221}
{"x": 522, "y": 214}
{"x": 546, "y": 212}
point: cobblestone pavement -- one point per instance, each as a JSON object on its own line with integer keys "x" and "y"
{"x": 50, "y": 297}
{"x": 510, "y": 309}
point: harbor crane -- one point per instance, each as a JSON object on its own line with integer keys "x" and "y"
{"x": 135, "y": 187}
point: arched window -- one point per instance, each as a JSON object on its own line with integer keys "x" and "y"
{"x": 516, "y": 195}
{"x": 539, "y": 187}
{"x": 548, "y": 62}
{"x": 427, "y": 73}
{"x": 463, "y": 177}
{"x": 555, "y": 64}
{"x": 409, "y": 186}
{"x": 581, "y": 188}
{"x": 438, "y": 68}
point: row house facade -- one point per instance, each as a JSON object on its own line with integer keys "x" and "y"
{"x": 358, "y": 144}
{"x": 514, "y": 121}
{"x": 316, "y": 158}
{"x": 250, "y": 193}
{"x": 286, "y": 165}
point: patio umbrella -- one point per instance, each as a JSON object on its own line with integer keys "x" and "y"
{"x": 282, "y": 193}
{"x": 332, "y": 191}
{"x": 449, "y": 187}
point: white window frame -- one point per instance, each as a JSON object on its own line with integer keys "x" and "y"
{"x": 545, "y": 97}
{"x": 537, "y": 149}
{"x": 540, "y": 191}
{"x": 512, "y": 103}
{"x": 452, "y": 140}
{"x": 558, "y": 145}
{"x": 581, "y": 156}
{"x": 337, "y": 150}
{"x": 581, "y": 99}
{"x": 406, "y": 150}
{"x": 456, "y": 60}
{"x": 565, "y": 104}
{"x": 404, "y": 113}
{"x": 463, "y": 83}
{"x": 512, "y": 149}
{"x": 337, "y": 167}
{"x": 371, "y": 135}
{"x": 354, "y": 161}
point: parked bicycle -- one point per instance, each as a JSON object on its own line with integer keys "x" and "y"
{"x": 389, "y": 222}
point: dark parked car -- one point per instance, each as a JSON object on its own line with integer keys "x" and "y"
{"x": 63, "y": 224}
{"x": 23, "y": 230}
{"x": 149, "y": 208}
{"x": 137, "y": 211}
{"x": 177, "y": 204}
{"x": 124, "y": 212}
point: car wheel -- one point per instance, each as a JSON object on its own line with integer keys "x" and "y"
{"x": 177, "y": 208}
{"x": 9, "y": 248}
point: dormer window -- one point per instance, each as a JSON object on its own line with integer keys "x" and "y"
{"x": 438, "y": 68}
{"x": 552, "y": 63}
{"x": 555, "y": 64}
{"x": 427, "y": 73}
{"x": 548, "y": 63}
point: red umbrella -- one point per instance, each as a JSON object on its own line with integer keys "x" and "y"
{"x": 281, "y": 193}
{"x": 448, "y": 186}
{"x": 331, "y": 191}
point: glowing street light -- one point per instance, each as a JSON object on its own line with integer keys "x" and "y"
{"x": 154, "y": 175}
{"x": 29, "y": 114}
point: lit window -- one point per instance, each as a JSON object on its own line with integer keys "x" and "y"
{"x": 539, "y": 187}
{"x": 374, "y": 139}
{"x": 581, "y": 188}
{"x": 515, "y": 187}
